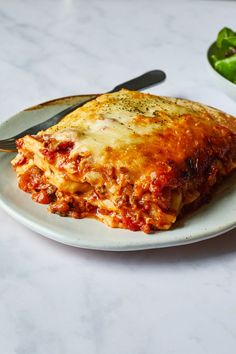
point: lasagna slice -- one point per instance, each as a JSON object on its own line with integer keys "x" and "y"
{"x": 129, "y": 159}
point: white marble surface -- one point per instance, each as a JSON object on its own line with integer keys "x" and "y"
{"x": 59, "y": 300}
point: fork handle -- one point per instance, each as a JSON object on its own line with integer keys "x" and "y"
{"x": 144, "y": 81}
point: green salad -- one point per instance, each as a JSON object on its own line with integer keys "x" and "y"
{"x": 222, "y": 54}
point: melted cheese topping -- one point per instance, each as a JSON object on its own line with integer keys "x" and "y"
{"x": 114, "y": 120}
{"x": 131, "y": 129}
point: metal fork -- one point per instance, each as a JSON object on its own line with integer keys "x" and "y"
{"x": 146, "y": 80}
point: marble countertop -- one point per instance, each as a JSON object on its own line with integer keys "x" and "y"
{"x": 60, "y": 300}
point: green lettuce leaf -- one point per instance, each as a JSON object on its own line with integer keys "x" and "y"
{"x": 227, "y": 67}
{"x": 224, "y": 34}
{"x": 223, "y": 57}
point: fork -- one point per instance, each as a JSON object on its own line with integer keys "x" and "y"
{"x": 146, "y": 80}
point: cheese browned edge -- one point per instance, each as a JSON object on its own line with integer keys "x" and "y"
{"x": 129, "y": 159}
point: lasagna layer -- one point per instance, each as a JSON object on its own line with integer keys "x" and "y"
{"x": 129, "y": 159}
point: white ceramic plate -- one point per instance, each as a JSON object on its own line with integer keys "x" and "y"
{"x": 211, "y": 220}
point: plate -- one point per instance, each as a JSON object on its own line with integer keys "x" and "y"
{"x": 222, "y": 83}
{"x": 211, "y": 220}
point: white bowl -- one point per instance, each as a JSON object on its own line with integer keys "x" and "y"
{"x": 222, "y": 83}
